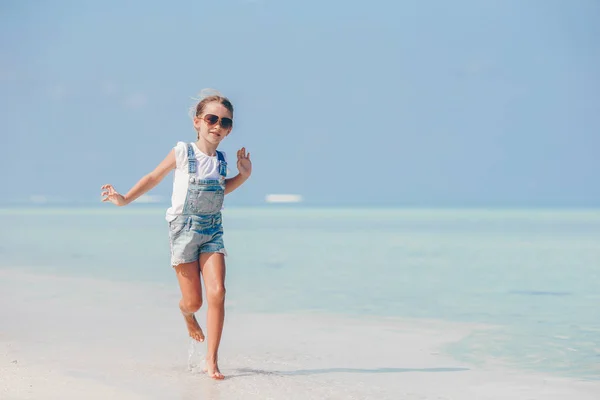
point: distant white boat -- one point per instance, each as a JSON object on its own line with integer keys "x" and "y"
{"x": 283, "y": 198}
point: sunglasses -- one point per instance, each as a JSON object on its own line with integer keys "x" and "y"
{"x": 212, "y": 119}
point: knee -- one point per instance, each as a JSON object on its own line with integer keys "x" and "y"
{"x": 217, "y": 295}
{"x": 191, "y": 305}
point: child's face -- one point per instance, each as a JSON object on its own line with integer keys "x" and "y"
{"x": 211, "y": 129}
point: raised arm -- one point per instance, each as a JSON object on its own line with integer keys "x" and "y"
{"x": 244, "y": 166}
{"x": 143, "y": 186}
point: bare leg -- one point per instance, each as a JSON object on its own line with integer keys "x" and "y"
{"x": 188, "y": 275}
{"x": 212, "y": 266}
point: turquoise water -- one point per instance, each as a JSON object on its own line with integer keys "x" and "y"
{"x": 533, "y": 274}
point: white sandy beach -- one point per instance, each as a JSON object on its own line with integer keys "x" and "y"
{"x": 74, "y": 338}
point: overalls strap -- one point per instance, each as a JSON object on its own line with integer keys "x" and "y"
{"x": 192, "y": 167}
{"x": 222, "y": 164}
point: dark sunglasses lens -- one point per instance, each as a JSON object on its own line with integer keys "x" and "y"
{"x": 211, "y": 119}
{"x": 226, "y": 123}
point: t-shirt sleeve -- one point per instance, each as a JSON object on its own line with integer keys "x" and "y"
{"x": 181, "y": 161}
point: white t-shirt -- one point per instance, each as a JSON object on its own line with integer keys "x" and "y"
{"x": 207, "y": 168}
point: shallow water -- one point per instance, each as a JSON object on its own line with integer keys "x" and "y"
{"x": 532, "y": 274}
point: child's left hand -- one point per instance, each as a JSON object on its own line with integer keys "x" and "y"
{"x": 244, "y": 165}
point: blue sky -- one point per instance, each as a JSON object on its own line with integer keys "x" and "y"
{"x": 413, "y": 103}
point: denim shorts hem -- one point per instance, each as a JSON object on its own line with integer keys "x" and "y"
{"x": 213, "y": 249}
{"x": 176, "y": 261}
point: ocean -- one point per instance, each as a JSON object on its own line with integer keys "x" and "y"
{"x": 530, "y": 277}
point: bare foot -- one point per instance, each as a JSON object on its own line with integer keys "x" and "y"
{"x": 212, "y": 370}
{"x": 193, "y": 327}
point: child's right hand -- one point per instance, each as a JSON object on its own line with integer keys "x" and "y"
{"x": 110, "y": 194}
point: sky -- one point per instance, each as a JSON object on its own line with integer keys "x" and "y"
{"x": 483, "y": 103}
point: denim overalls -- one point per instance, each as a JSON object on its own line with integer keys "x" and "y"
{"x": 199, "y": 228}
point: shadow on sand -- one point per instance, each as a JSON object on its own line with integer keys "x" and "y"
{"x": 300, "y": 372}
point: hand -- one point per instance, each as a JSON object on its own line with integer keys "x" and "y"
{"x": 244, "y": 165}
{"x": 110, "y": 194}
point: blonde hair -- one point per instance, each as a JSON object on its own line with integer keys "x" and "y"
{"x": 208, "y": 96}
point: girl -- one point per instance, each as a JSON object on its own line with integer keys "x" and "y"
{"x": 195, "y": 229}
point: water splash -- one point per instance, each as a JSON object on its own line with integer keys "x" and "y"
{"x": 195, "y": 357}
